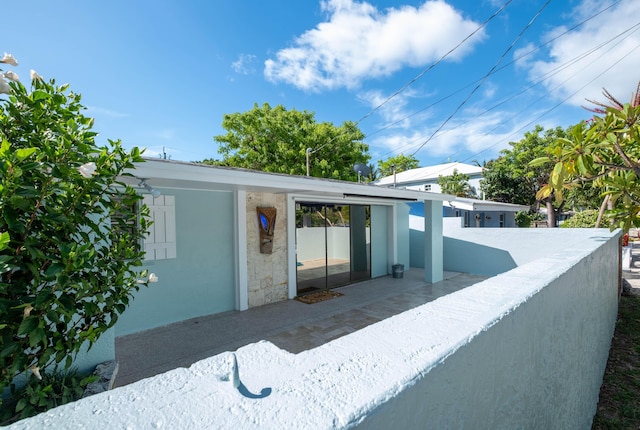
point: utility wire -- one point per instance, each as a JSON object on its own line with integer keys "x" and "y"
{"x": 516, "y": 59}
{"x": 547, "y": 76}
{"x": 554, "y": 107}
{"x": 421, "y": 74}
{"x": 485, "y": 76}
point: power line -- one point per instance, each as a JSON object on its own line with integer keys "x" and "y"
{"x": 516, "y": 59}
{"x": 554, "y": 107}
{"x": 548, "y": 75}
{"x": 421, "y": 74}
{"x": 310, "y": 151}
{"x": 504, "y": 54}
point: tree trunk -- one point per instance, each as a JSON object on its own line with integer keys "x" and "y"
{"x": 603, "y": 206}
{"x": 551, "y": 213}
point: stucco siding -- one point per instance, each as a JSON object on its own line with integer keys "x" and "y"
{"x": 201, "y": 279}
{"x": 379, "y": 241}
{"x": 523, "y": 350}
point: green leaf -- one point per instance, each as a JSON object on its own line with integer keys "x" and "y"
{"x": 539, "y": 161}
{"x": 5, "y": 239}
{"x": 37, "y": 336}
{"x": 22, "y": 403}
{"x": 54, "y": 269}
{"x": 28, "y": 324}
{"x": 40, "y": 95}
{"x": 10, "y": 349}
{"x": 23, "y": 153}
{"x": 4, "y": 148}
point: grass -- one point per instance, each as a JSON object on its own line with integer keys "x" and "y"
{"x": 619, "y": 403}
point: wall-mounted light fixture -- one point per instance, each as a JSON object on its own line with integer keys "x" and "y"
{"x": 155, "y": 193}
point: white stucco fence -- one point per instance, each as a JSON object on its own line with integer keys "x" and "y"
{"x": 525, "y": 349}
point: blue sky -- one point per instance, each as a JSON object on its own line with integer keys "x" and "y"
{"x": 161, "y": 74}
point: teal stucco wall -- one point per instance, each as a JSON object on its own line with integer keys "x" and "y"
{"x": 201, "y": 280}
{"x": 379, "y": 239}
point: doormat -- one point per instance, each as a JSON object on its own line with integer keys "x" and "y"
{"x": 320, "y": 296}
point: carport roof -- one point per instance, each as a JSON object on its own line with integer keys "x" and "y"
{"x": 183, "y": 175}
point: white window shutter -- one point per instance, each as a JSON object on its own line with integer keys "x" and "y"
{"x": 160, "y": 244}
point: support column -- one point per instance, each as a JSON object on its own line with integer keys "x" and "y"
{"x": 242, "y": 294}
{"x": 433, "y": 248}
{"x": 292, "y": 257}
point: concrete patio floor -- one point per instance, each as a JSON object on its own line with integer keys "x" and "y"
{"x": 290, "y": 324}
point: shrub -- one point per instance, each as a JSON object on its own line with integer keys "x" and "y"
{"x": 584, "y": 219}
{"x": 69, "y": 257}
{"x": 55, "y": 389}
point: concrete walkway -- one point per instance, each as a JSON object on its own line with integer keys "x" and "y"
{"x": 290, "y": 324}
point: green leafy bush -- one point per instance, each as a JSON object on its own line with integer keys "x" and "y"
{"x": 523, "y": 219}
{"x": 55, "y": 389}
{"x": 584, "y": 219}
{"x": 69, "y": 259}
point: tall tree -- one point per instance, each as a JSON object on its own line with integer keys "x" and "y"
{"x": 512, "y": 179}
{"x": 501, "y": 185}
{"x": 456, "y": 184}
{"x": 399, "y": 162}
{"x": 281, "y": 141}
{"x": 604, "y": 150}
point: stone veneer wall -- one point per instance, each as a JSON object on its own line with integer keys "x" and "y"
{"x": 267, "y": 273}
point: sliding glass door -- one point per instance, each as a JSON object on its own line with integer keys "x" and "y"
{"x": 332, "y": 245}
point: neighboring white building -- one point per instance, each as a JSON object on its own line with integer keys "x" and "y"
{"x": 426, "y": 178}
{"x": 473, "y": 212}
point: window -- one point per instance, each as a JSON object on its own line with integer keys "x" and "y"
{"x": 501, "y": 220}
{"x": 160, "y": 244}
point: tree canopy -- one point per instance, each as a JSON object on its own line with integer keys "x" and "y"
{"x": 400, "y": 162}
{"x": 279, "y": 140}
{"x": 511, "y": 178}
{"x": 605, "y": 151}
{"x": 456, "y": 184}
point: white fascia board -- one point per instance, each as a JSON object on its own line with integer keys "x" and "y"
{"x": 176, "y": 174}
{"x": 486, "y": 206}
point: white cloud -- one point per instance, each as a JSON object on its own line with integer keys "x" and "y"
{"x": 394, "y": 113}
{"x": 464, "y": 139}
{"x": 577, "y": 67}
{"x": 244, "y": 65}
{"x": 360, "y": 42}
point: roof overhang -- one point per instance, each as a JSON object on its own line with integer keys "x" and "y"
{"x": 182, "y": 175}
{"x": 485, "y": 206}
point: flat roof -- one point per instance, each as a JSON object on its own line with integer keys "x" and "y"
{"x": 428, "y": 173}
{"x": 184, "y": 175}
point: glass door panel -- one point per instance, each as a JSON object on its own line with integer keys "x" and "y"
{"x": 332, "y": 245}
{"x": 338, "y": 245}
{"x": 311, "y": 251}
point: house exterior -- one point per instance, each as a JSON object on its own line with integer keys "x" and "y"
{"x": 466, "y": 357}
{"x": 426, "y": 178}
{"x": 482, "y": 213}
{"x": 211, "y": 248}
{"x": 473, "y": 212}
